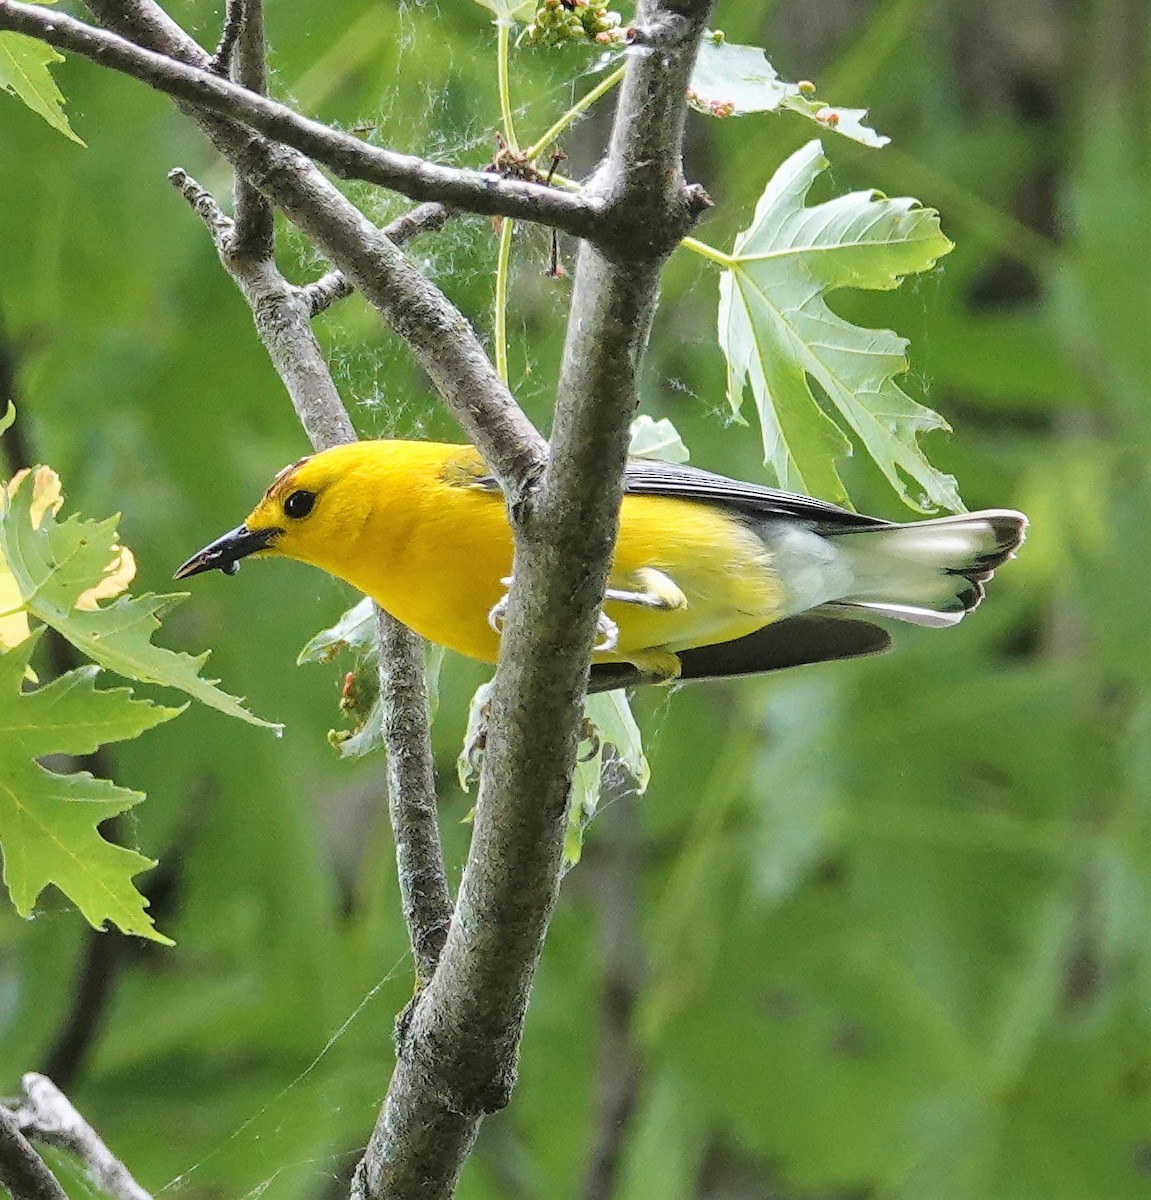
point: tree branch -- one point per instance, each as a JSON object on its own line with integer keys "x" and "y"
{"x": 48, "y": 1116}
{"x": 255, "y": 224}
{"x": 438, "y": 335}
{"x": 281, "y": 313}
{"x": 334, "y": 286}
{"x": 424, "y": 890}
{"x": 459, "y": 1058}
{"x": 23, "y": 1173}
{"x": 345, "y": 155}
{"x": 229, "y": 36}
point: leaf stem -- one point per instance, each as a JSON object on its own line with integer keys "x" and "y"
{"x": 710, "y": 252}
{"x": 503, "y": 37}
{"x": 500, "y": 322}
{"x": 503, "y": 254}
{"x": 580, "y": 106}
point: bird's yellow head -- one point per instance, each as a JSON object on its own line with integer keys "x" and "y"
{"x": 314, "y": 512}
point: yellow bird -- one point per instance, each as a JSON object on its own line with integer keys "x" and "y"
{"x": 711, "y": 577}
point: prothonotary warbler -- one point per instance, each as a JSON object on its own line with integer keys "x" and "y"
{"x": 711, "y": 577}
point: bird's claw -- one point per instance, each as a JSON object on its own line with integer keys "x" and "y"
{"x": 607, "y": 631}
{"x": 499, "y": 610}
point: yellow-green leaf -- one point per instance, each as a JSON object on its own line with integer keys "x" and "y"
{"x": 54, "y": 564}
{"x": 24, "y": 64}
{"x": 48, "y": 821}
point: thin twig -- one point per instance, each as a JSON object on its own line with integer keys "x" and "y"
{"x": 329, "y": 289}
{"x": 344, "y": 154}
{"x": 23, "y": 1173}
{"x": 334, "y": 286}
{"x": 48, "y": 1116}
{"x": 282, "y": 322}
{"x": 425, "y": 896}
{"x": 229, "y": 36}
{"x": 255, "y": 224}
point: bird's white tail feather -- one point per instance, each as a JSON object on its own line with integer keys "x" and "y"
{"x": 930, "y": 572}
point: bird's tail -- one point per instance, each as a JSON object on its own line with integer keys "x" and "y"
{"x": 930, "y": 572}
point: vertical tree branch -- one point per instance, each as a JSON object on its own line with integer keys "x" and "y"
{"x": 255, "y": 227}
{"x": 424, "y": 889}
{"x": 460, "y": 1057}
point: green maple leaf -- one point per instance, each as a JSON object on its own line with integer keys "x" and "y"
{"x": 54, "y": 562}
{"x": 778, "y": 334}
{"x": 24, "y": 64}
{"x": 48, "y": 821}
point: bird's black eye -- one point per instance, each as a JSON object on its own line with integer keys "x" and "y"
{"x": 299, "y": 504}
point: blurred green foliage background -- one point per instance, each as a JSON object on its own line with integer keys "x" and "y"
{"x": 878, "y": 929}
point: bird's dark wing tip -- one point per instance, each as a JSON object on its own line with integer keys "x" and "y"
{"x": 793, "y": 642}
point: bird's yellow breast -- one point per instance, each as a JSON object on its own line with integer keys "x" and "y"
{"x": 433, "y": 546}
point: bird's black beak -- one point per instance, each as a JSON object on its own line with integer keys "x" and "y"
{"x": 225, "y": 552}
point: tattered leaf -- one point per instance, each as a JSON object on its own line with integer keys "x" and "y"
{"x": 778, "y": 334}
{"x": 355, "y": 630}
{"x": 470, "y": 758}
{"x": 611, "y": 717}
{"x": 48, "y": 821}
{"x": 847, "y": 122}
{"x": 730, "y": 80}
{"x": 586, "y": 787}
{"x": 608, "y": 721}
